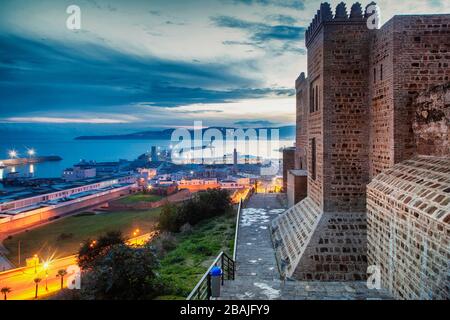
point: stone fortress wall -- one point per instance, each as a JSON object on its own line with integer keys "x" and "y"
{"x": 365, "y": 91}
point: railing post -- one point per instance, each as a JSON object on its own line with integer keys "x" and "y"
{"x": 208, "y": 283}
{"x": 234, "y": 270}
{"x": 223, "y": 268}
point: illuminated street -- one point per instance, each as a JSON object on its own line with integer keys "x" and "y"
{"x": 21, "y": 280}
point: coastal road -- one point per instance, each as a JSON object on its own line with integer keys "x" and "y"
{"x": 21, "y": 280}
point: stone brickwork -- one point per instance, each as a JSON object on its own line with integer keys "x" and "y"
{"x": 422, "y": 58}
{"x": 312, "y": 245}
{"x": 288, "y": 164}
{"x": 364, "y": 95}
{"x": 338, "y": 63}
{"x": 408, "y": 209}
{"x": 336, "y": 250}
{"x": 431, "y": 123}
{"x": 381, "y": 99}
{"x": 301, "y": 141}
{"x": 297, "y": 186}
{"x": 409, "y": 55}
{"x": 366, "y": 79}
{"x": 345, "y": 110}
{"x": 315, "y": 124}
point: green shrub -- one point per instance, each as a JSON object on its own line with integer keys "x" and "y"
{"x": 204, "y": 205}
{"x": 169, "y": 218}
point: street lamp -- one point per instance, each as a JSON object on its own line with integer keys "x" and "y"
{"x": 12, "y": 154}
{"x": 35, "y": 262}
{"x": 46, "y": 265}
{"x": 135, "y": 234}
{"x": 93, "y": 243}
{"x": 31, "y": 152}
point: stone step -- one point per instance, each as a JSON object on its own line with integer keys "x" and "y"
{"x": 252, "y": 288}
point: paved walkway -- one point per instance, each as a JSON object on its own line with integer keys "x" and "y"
{"x": 255, "y": 253}
{"x": 257, "y": 275}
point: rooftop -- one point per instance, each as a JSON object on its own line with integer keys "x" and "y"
{"x": 28, "y": 192}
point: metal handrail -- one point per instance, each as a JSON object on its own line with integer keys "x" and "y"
{"x": 228, "y": 268}
{"x": 238, "y": 218}
{"x": 227, "y": 264}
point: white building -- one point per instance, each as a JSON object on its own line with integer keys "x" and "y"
{"x": 230, "y": 184}
{"x": 197, "y": 182}
{"x": 66, "y": 193}
{"x": 79, "y": 173}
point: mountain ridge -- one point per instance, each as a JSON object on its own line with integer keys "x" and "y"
{"x": 285, "y": 132}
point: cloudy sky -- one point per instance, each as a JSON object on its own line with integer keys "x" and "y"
{"x": 159, "y": 63}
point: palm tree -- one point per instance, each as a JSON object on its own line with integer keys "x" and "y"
{"x": 36, "y": 281}
{"x": 5, "y": 291}
{"x": 61, "y": 274}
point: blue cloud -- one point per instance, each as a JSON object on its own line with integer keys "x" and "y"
{"x": 260, "y": 34}
{"x": 282, "y": 18}
{"x": 45, "y": 76}
{"x": 435, "y": 3}
{"x": 297, "y": 4}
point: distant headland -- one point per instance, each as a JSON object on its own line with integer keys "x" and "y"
{"x": 285, "y": 132}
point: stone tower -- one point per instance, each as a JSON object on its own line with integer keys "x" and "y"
{"x": 338, "y": 67}
{"x": 324, "y": 236}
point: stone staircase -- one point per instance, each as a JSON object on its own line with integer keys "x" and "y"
{"x": 257, "y": 275}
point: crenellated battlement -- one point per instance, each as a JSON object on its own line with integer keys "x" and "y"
{"x": 325, "y": 14}
{"x": 300, "y": 80}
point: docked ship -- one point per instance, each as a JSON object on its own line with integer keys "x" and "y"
{"x": 22, "y": 161}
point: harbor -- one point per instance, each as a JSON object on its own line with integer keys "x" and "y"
{"x": 24, "y": 161}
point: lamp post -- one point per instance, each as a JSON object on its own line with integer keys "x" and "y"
{"x": 135, "y": 234}
{"x": 35, "y": 262}
{"x": 18, "y": 252}
{"x": 46, "y": 265}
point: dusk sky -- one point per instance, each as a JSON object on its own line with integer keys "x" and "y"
{"x": 159, "y": 63}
